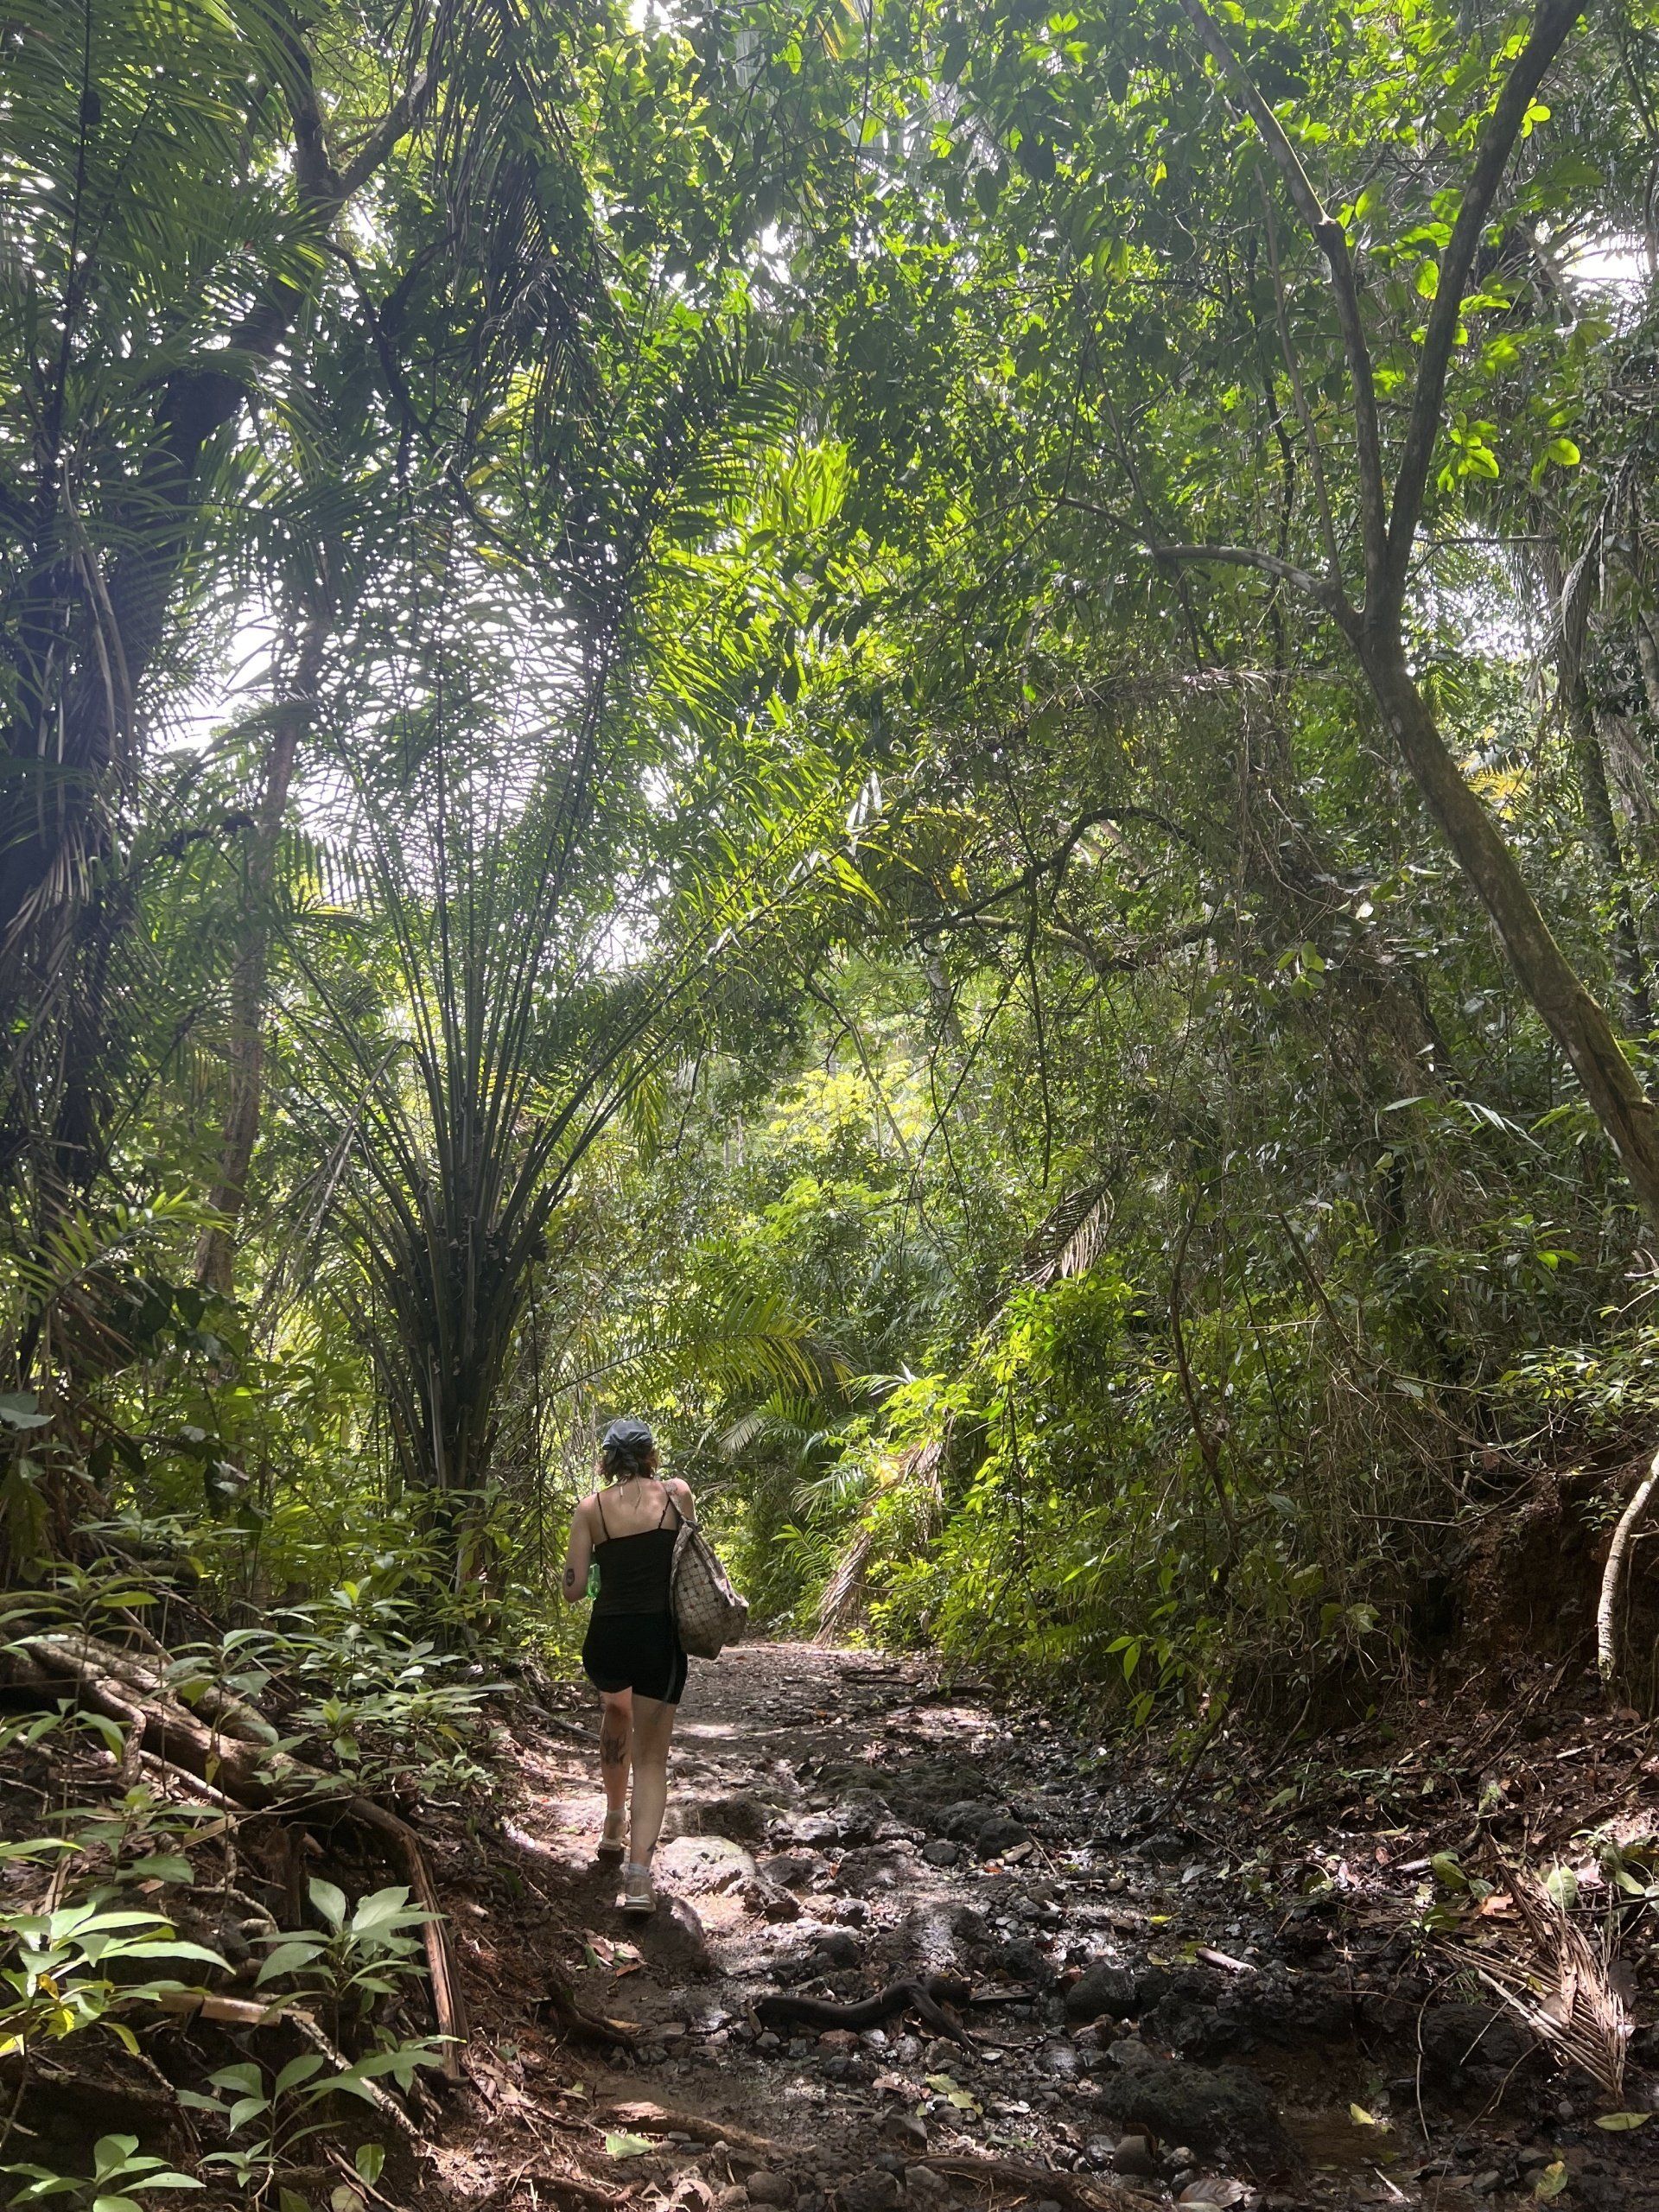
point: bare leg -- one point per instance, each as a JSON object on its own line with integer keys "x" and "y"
{"x": 615, "y": 1743}
{"x": 653, "y": 1723}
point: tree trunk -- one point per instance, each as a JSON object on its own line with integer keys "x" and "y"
{"x": 1601, "y": 826}
{"x": 216, "y": 1247}
{"x": 1572, "y": 1016}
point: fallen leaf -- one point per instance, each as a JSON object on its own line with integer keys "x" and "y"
{"x": 1551, "y": 2181}
{"x": 1616, "y": 2122}
{"x": 1358, "y": 2114}
{"x": 1562, "y": 1885}
{"x": 627, "y": 2147}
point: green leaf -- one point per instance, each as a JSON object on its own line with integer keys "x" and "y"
{"x": 296, "y": 2071}
{"x": 1447, "y": 1872}
{"x": 1551, "y": 2181}
{"x": 371, "y": 2161}
{"x": 627, "y": 2147}
{"x": 1619, "y": 2123}
{"x": 329, "y": 1902}
{"x": 1562, "y": 1883}
{"x": 298, "y": 1951}
{"x": 385, "y": 1908}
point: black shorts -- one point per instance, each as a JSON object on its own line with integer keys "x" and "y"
{"x": 635, "y": 1651}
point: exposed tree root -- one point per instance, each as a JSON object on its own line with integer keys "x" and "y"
{"x": 926, "y": 1999}
{"x": 242, "y": 2012}
{"x": 643, "y": 2114}
{"x": 561, "y": 2002}
{"x": 1613, "y": 1575}
{"x": 1040, "y": 2182}
{"x": 236, "y": 1759}
{"x": 555, "y": 2185}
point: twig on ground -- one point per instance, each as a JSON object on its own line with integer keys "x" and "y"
{"x": 665, "y": 2122}
{"x": 1040, "y": 2182}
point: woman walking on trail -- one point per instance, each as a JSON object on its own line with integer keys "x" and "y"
{"x": 631, "y": 1654}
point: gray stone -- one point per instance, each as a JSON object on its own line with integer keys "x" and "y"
{"x": 1133, "y": 2157}
{"x": 940, "y": 1854}
{"x": 1000, "y": 1834}
{"x": 1212, "y": 2109}
{"x": 875, "y": 1866}
{"x": 768, "y": 1900}
{"x": 904, "y": 2130}
{"x": 962, "y": 1821}
{"x": 1455, "y": 2035}
{"x": 1102, "y": 1989}
{"x": 790, "y": 1869}
{"x": 768, "y": 2187}
{"x": 742, "y": 1820}
{"x": 872, "y": 2190}
{"x": 923, "y": 2186}
{"x": 859, "y": 1813}
{"x": 704, "y": 1862}
{"x": 819, "y": 1831}
{"x": 838, "y": 1946}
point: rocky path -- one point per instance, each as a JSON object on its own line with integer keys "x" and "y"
{"x": 1168, "y": 2005}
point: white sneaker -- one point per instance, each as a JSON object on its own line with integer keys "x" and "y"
{"x": 614, "y": 1839}
{"x": 637, "y": 1897}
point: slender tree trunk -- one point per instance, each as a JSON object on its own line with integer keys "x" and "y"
{"x": 216, "y": 1247}
{"x": 1573, "y": 1015}
{"x": 1630, "y": 967}
{"x": 1601, "y": 825}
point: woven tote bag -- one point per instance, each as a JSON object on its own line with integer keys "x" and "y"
{"x": 707, "y": 1612}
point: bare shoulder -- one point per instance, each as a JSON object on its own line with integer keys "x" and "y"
{"x": 678, "y": 1490}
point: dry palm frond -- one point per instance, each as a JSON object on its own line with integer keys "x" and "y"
{"x": 1069, "y": 1241}
{"x": 839, "y": 1607}
{"x": 1551, "y": 1976}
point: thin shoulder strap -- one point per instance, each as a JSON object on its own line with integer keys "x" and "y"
{"x": 667, "y": 1501}
{"x": 600, "y": 1509}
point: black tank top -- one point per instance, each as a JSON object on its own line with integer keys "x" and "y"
{"x": 634, "y": 1571}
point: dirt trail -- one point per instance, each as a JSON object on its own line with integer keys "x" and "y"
{"x": 1169, "y": 2003}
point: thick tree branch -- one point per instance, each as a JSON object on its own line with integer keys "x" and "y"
{"x": 398, "y": 121}
{"x": 1333, "y": 242}
{"x": 1304, "y": 413}
{"x": 1550, "y": 25}
{"x": 1252, "y": 556}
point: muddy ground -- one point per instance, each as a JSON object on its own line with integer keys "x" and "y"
{"x": 1212, "y": 1986}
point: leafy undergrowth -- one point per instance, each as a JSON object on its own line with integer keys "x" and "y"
{"x": 223, "y": 1986}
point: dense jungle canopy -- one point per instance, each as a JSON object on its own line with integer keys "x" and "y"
{"x": 928, "y": 739}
